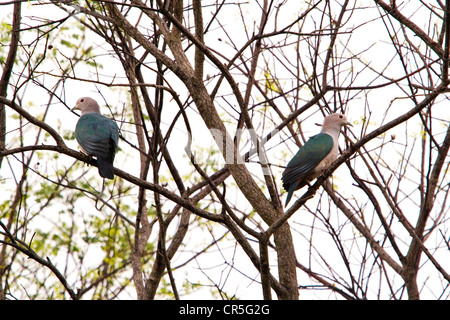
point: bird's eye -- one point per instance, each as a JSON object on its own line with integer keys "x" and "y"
{"x": 81, "y": 100}
{"x": 341, "y": 116}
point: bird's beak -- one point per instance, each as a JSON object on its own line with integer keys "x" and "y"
{"x": 75, "y": 108}
{"x": 348, "y": 124}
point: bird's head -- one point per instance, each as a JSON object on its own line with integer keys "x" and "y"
{"x": 87, "y": 105}
{"x": 335, "y": 121}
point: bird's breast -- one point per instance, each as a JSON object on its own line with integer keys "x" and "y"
{"x": 325, "y": 163}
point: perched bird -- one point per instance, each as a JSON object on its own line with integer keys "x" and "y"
{"x": 97, "y": 135}
{"x": 314, "y": 156}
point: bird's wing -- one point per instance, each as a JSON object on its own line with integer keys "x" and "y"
{"x": 97, "y": 135}
{"x": 307, "y": 158}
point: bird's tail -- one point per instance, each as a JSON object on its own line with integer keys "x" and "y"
{"x": 289, "y": 196}
{"x": 290, "y": 191}
{"x": 105, "y": 168}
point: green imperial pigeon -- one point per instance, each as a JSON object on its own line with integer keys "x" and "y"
{"x": 315, "y": 155}
{"x": 97, "y": 135}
